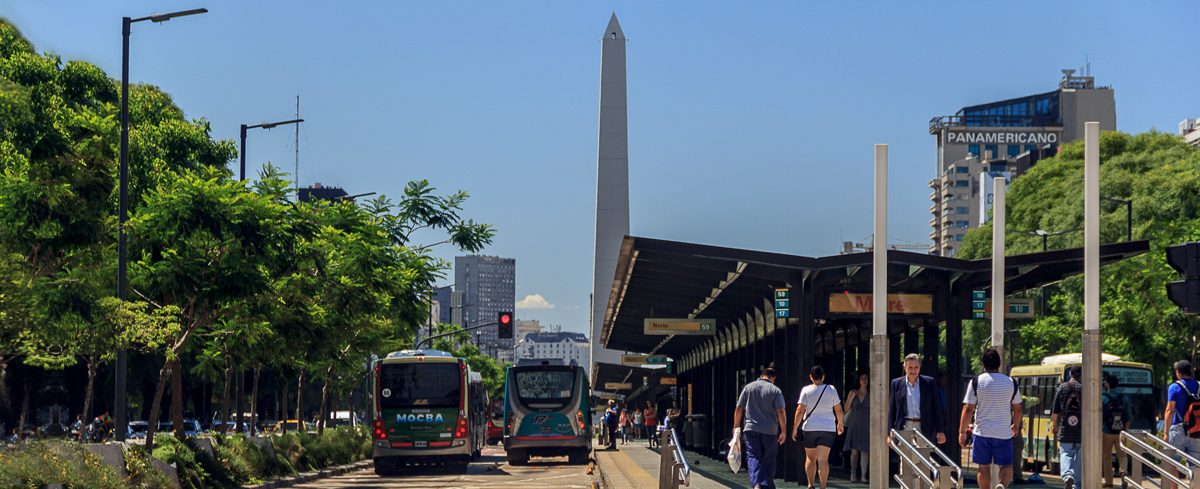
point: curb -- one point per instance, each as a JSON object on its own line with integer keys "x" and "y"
{"x": 306, "y": 477}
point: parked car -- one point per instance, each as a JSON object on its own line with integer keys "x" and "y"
{"x": 293, "y": 426}
{"x": 137, "y": 430}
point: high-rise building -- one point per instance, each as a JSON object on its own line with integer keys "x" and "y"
{"x": 612, "y": 180}
{"x": 488, "y": 287}
{"x": 1004, "y": 138}
{"x": 449, "y": 305}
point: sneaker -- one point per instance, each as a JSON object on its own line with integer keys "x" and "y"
{"x": 1069, "y": 483}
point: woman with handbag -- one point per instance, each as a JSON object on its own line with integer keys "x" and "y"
{"x": 858, "y": 426}
{"x": 821, "y": 409}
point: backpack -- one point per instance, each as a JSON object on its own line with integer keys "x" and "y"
{"x": 1114, "y": 414}
{"x": 1191, "y": 412}
{"x": 1073, "y": 410}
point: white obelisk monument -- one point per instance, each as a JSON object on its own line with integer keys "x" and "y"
{"x": 612, "y": 182}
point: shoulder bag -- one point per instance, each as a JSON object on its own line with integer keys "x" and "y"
{"x": 800, "y": 436}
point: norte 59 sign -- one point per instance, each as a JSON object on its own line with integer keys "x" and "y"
{"x": 672, "y": 326}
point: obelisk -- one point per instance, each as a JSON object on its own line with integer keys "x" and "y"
{"x": 612, "y": 182}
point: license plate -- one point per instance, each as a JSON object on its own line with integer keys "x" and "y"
{"x": 545, "y": 429}
{"x": 420, "y": 444}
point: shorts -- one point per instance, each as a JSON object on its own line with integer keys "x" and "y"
{"x": 988, "y": 451}
{"x": 1182, "y": 442}
{"x": 814, "y": 439}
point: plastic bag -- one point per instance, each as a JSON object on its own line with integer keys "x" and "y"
{"x": 735, "y": 451}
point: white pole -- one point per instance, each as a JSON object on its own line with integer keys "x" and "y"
{"x": 1092, "y": 456}
{"x": 998, "y": 225}
{"x": 879, "y": 339}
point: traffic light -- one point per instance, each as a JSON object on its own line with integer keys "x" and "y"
{"x": 505, "y": 326}
{"x": 1185, "y": 259}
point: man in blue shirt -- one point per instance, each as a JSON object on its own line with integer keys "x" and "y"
{"x": 1177, "y": 402}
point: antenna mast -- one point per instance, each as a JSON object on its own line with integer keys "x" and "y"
{"x": 296, "y": 176}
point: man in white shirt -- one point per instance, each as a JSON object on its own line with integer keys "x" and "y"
{"x": 993, "y": 400}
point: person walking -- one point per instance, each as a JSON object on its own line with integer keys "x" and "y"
{"x": 1117, "y": 413}
{"x": 611, "y": 417}
{"x": 821, "y": 409}
{"x": 916, "y": 404}
{"x": 651, "y": 416}
{"x": 624, "y": 425}
{"x": 637, "y": 424}
{"x": 858, "y": 426}
{"x": 1179, "y": 395}
{"x": 993, "y": 402}
{"x": 1066, "y": 423}
{"x": 761, "y": 405}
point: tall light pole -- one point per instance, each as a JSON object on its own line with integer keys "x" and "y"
{"x": 1092, "y": 456}
{"x": 879, "y": 339}
{"x": 123, "y": 200}
{"x": 265, "y": 125}
{"x": 1045, "y": 235}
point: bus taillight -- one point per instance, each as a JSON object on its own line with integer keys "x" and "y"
{"x": 461, "y": 430}
{"x": 579, "y": 418}
{"x": 377, "y": 430}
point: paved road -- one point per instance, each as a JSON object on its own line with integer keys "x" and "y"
{"x": 491, "y": 470}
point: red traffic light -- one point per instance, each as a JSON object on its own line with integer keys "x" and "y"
{"x": 504, "y": 329}
{"x": 504, "y": 319}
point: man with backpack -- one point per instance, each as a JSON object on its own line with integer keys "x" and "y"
{"x": 1117, "y": 414}
{"x": 1183, "y": 412}
{"x": 1066, "y": 423}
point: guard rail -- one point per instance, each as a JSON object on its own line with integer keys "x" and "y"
{"x": 918, "y": 469}
{"x": 1144, "y": 449}
{"x": 673, "y": 469}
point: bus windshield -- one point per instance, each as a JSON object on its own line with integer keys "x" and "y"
{"x": 424, "y": 384}
{"x": 545, "y": 388}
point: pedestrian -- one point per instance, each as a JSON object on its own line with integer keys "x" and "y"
{"x": 638, "y": 423}
{"x": 651, "y": 416}
{"x": 1117, "y": 414}
{"x": 821, "y": 423}
{"x": 858, "y": 426}
{"x": 675, "y": 420}
{"x": 916, "y": 404}
{"x": 610, "y": 423}
{"x": 993, "y": 402}
{"x": 1180, "y": 395}
{"x": 624, "y": 427}
{"x": 1066, "y": 423}
{"x": 761, "y": 405}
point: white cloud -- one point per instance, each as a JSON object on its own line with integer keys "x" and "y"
{"x": 535, "y": 301}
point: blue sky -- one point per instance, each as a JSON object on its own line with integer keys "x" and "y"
{"x": 751, "y": 123}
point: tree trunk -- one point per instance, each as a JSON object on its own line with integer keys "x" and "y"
{"x": 24, "y": 410}
{"x": 177, "y": 399}
{"x": 254, "y": 403}
{"x": 325, "y": 401}
{"x": 87, "y": 399}
{"x": 225, "y": 395}
{"x": 152, "y": 423}
{"x": 283, "y": 407}
{"x": 300, "y": 403}
{"x": 5, "y": 400}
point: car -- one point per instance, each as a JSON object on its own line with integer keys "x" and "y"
{"x": 137, "y": 430}
{"x": 292, "y": 426}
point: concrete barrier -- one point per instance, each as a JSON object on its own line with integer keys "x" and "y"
{"x": 264, "y": 444}
{"x": 167, "y": 469}
{"x": 112, "y": 454}
{"x": 206, "y": 445}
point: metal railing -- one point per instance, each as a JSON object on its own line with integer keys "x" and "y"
{"x": 918, "y": 469}
{"x": 673, "y": 469}
{"x": 1142, "y": 448}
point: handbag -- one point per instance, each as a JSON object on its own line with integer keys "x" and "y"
{"x": 846, "y": 415}
{"x": 800, "y": 435}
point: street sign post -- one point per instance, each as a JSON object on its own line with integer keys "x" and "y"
{"x": 1014, "y": 308}
{"x": 978, "y": 304}
{"x": 677, "y": 326}
{"x": 644, "y": 359}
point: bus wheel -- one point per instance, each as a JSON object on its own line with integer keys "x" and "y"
{"x": 459, "y": 466}
{"x": 517, "y": 456}
{"x": 384, "y": 468}
{"x": 579, "y": 457}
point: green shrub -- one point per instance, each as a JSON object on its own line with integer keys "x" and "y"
{"x": 141, "y": 474}
{"x": 197, "y": 470}
{"x": 35, "y": 464}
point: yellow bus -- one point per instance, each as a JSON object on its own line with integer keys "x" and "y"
{"x": 1037, "y": 384}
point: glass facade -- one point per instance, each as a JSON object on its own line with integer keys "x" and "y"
{"x": 973, "y": 149}
{"x": 991, "y": 151}
{"x": 1032, "y": 111}
{"x": 1014, "y": 150}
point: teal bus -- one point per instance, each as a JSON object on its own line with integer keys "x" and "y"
{"x": 428, "y": 409}
{"x": 544, "y": 413}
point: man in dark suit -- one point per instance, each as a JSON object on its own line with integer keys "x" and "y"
{"x": 916, "y": 403}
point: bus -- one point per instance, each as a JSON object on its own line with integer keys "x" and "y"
{"x": 428, "y": 410}
{"x": 544, "y": 409}
{"x": 1037, "y": 384}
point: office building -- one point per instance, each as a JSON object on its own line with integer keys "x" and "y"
{"x": 488, "y": 287}
{"x": 1190, "y": 130}
{"x": 449, "y": 305}
{"x": 982, "y": 141}
{"x": 524, "y": 328}
{"x": 571, "y": 348}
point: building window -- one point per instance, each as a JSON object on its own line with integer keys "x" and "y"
{"x": 993, "y": 151}
{"x": 962, "y": 183}
{"x": 973, "y": 149}
{"x": 958, "y": 237}
{"x": 961, "y": 224}
{"x": 999, "y": 168}
{"x": 1014, "y": 150}
{"x": 962, "y": 169}
{"x": 1030, "y": 147}
{"x": 964, "y": 210}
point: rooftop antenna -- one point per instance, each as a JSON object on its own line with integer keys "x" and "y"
{"x": 296, "y": 176}
{"x": 1089, "y": 65}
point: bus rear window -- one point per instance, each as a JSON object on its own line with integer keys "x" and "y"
{"x": 545, "y": 388}
{"x": 423, "y": 384}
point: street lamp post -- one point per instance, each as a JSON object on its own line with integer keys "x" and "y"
{"x": 265, "y": 125}
{"x": 123, "y": 201}
{"x": 1044, "y": 236}
{"x": 1128, "y": 215}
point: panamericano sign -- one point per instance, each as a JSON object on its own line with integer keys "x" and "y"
{"x": 962, "y": 137}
